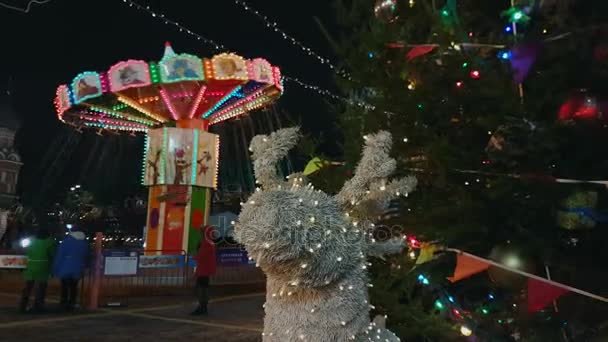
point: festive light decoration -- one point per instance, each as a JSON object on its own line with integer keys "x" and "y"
{"x": 167, "y": 100}
{"x": 275, "y": 27}
{"x": 180, "y": 76}
{"x": 197, "y": 101}
{"x": 336, "y": 267}
{"x": 475, "y": 74}
{"x": 466, "y": 331}
{"x": 218, "y": 47}
{"x": 505, "y": 55}
{"x": 385, "y": 10}
{"x": 221, "y": 101}
{"x": 86, "y": 85}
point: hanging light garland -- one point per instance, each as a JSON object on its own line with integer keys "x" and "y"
{"x": 275, "y": 27}
{"x": 220, "y": 47}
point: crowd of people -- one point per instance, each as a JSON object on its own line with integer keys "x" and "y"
{"x": 68, "y": 260}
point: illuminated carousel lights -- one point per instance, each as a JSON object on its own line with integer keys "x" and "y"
{"x": 144, "y": 160}
{"x": 163, "y": 155}
{"x": 113, "y": 127}
{"x": 141, "y": 109}
{"x": 194, "y": 156}
{"x": 119, "y": 106}
{"x": 221, "y": 102}
{"x": 154, "y": 75}
{"x": 217, "y": 161}
{"x": 250, "y": 97}
{"x": 104, "y": 120}
{"x": 148, "y": 99}
{"x": 123, "y": 116}
{"x": 197, "y": 101}
{"x": 169, "y": 104}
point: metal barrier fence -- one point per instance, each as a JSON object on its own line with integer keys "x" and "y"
{"x": 126, "y": 275}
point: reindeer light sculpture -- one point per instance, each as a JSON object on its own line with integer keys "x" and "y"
{"x": 313, "y": 247}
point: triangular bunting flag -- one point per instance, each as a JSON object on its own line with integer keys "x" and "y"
{"x": 541, "y": 294}
{"x": 419, "y": 51}
{"x": 466, "y": 267}
{"x": 427, "y": 253}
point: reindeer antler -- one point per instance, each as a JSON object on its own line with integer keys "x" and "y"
{"x": 268, "y": 150}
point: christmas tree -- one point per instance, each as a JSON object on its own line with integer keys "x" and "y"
{"x": 493, "y": 105}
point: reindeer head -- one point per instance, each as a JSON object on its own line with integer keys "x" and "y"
{"x": 303, "y": 236}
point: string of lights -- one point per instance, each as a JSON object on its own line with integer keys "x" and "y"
{"x": 275, "y": 27}
{"x": 27, "y": 8}
{"x": 220, "y": 47}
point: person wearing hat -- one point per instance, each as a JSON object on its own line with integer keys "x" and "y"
{"x": 205, "y": 267}
{"x": 69, "y": 265}
{"x": 39, "y": 258}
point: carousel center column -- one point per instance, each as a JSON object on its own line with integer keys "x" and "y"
{"x": 180, "y": 169}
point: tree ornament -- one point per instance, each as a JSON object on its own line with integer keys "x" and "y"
{"x": 386, "y": 10}
{"x": 582, "y": 105}
{"x": 578, "y": 212}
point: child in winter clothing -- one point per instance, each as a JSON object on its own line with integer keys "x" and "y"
{"x": 70, "y": 262}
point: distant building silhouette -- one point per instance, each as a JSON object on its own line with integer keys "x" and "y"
{"x": 10, "y": 161}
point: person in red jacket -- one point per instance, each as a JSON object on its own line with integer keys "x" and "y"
{"x": 205, "y": 267}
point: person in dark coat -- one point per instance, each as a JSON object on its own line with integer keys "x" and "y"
{"x": 37, "y": 272}
{"x": 205, "y": 267}
{"x": 70, "y": 262}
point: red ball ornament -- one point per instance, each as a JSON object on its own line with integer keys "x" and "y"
{"x": 581, "y": 106}
{"x": 475, "y": 74}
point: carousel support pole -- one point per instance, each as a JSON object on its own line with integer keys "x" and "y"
{"x": 96, "y": 272}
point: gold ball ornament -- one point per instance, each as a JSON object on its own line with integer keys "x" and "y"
{"x": 385, "y": 10}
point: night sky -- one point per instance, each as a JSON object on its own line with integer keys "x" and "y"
{"x": 55, "y": 41}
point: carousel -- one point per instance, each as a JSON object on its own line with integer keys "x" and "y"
{"x": 173, "y": 102}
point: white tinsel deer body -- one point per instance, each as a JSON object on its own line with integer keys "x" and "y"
{"x": 312, "y": 251}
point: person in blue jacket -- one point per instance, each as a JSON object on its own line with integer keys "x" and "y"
{"x": 70, "y": 261}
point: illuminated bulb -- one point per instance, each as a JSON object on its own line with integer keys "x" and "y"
{"x": 304, "y": 265}
{"x": 544, "y": 31}
{"x": 252, "y": 202}
{"x": 300, "y": 200}
{"x": 459, "y": 84}
{"x": 312, "y": 219}
{"x": 266, "y": 245}
{"x": 299, "y": 223}
{"x": 405, "y": 140}
{"x": 465, "y": 331}
{"x": 413, "y": 255}
{"x": 339, "y": 259}
{"x": 382, "y": 188}
{"x": 475, "y": 74}
{"x": 316, "y": 202}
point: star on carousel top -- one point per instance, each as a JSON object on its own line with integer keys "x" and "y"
{"x": 136, "y": 95}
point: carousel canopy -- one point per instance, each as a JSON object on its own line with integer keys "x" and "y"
{"x": 136, "y": 95}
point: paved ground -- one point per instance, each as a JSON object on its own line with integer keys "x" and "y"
{"x": 235, "y": 318}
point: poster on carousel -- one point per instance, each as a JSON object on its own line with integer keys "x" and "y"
{"x": 179, "y": 156}
{"x": 129, "y": 74}
{"x": 179, "y": 160}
